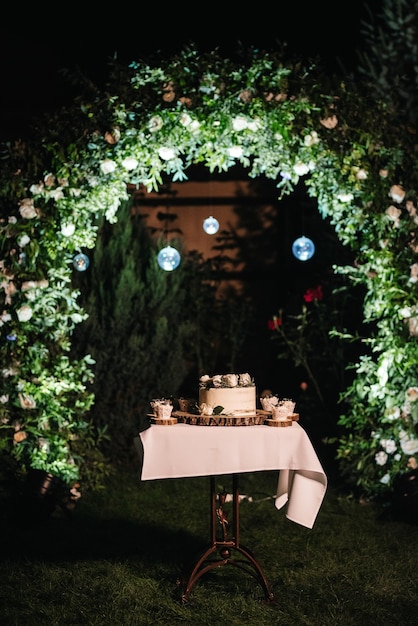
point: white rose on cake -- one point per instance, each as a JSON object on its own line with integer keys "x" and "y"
{"x": 230, "y": 380}
{"x": 245, "y": 380}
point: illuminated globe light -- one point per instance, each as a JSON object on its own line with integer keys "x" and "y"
{"x": 303, "y": 248}
{"x": 81, "y": 262}
{"x": 168, "y": 259}
{"x": 211, "y": 225}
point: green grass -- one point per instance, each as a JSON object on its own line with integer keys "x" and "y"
{"x": 116, "y": 560}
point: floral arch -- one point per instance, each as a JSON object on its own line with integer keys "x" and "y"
{"x": 153, "y": 120}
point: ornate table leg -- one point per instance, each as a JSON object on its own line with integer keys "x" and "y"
{"x": 224, "y": 547}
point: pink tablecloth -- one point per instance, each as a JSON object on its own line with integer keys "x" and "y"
{"x": 181, "y": 451}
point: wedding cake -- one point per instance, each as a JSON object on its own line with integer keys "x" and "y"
{"x": 227, "y": 394}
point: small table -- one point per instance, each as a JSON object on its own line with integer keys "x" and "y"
{"x": 182, "y": 450}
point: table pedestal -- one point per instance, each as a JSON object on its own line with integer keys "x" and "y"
{"x": 224, "y": 550}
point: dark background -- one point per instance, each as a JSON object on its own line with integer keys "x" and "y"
{"x": 37, "y": 43}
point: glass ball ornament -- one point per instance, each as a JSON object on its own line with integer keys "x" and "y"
{"x": 211, "y": 225}
{"x": 168, "y": 259}
{"x": 303, "y": 248}
{"x": 81, "y": 262}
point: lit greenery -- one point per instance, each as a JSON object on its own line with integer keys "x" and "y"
{"x": 151, "y": 123}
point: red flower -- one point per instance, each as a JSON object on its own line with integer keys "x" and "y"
{"x": 313, "y": 294}
{"x": 274, "y": 323}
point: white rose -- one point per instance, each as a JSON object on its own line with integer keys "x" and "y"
{"x": 311, "y": 139}
{"x": 185, "y": 119}
{"x": 130, "y": 163}
{"x": 412, "y": 393}
{"x": 239, "y": 123}
{"x": 235, "y": 152}
{"x": 36, "y": 189}
{"x": 409, "y": 445}
{"x": 23, "y": 241}
{"x": 217, "y": 380}
{"x": 107, "y": 166}
{"x": 155, "y": 123}
{"x": 205, "y": 409}
{"x": 245, "y": 380}
{"x": 300, "y": 168}
{"x": 393, "y": 214}
{"x": 396, "y": 193}
{"x": 27, "y": 209}
{"x": 166, "y": 153}
{"x": 388, "y": 445}
{"x": 345, "y": 197}
{"x": 68, "y": 230}
{"x": 26, "y": 402}
{"x": 381, "y": 457}
{"x": 230, "y": 380}
{"x": 24, "y": 313}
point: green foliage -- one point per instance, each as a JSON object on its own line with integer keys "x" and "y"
{"x": 357, "y": 156}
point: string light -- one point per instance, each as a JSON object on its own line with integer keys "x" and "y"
{"x": 211, "y": 225}
{"x": 81, "y": 262}
{"x": 303, "y": 248}
{"x": 168, "y": 258}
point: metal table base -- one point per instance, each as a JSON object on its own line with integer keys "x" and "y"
{"x": 224, "y": 550}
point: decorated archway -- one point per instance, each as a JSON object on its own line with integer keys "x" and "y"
{"x": 154, "y": 121}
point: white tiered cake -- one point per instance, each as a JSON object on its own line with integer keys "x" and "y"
{"x": 227, "y": 394}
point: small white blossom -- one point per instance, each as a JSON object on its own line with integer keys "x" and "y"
{"x": 409, "y": 445}
{"x": 396, "y": 193}
{"x": 300, "y": 168}
{"x": 394, "y": 214}
{"x": 235, "y": 152}
{"x": 27, "y": 209}
{"x": 239, "y": 123}
{"x": 23, "y": 241}
{"x": 130, "y": 163}
{"x": 24, "y": 313}
{"x": 68, "y": 230}
{"x": 26, "y": 402}
{"x": 36, "y": 189}
{"x": 185, "y": 119}
{"x": 385, "y": 479}
{"x": 311, "y": 139}
{"x": 413, "y": 273}
{"x": 388, "y": 445}
{"x": 166, "y": 153}
{"x": 345, "y": 197}
{"x": 381, "y": 458}
{"x": 107, "y": 166}
{"x": 155, "y": 123}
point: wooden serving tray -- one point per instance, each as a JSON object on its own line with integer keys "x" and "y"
{"x": 279, "y": 423}
{"x": 167, "y": 421}
{"x": 220, "y": 420}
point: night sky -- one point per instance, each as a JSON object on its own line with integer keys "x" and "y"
{"x": 35, "y": 46}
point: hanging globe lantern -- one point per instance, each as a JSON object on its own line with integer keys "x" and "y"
{"x": 211, "y": 225}
{"x": 81, "y": 262}
{"x": 168, "y": 259}
{"x": 303, "y": 248}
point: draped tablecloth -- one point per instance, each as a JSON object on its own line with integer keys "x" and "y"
{"x": 182, "y": 450}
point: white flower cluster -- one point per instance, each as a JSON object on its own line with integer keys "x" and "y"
{"x": 226, "y": 380}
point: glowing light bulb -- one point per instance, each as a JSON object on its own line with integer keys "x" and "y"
{"x": 168, "y": 259}
{"x": 303, "y": 248}
{"x": 81, "y": 262}
{"x": 211, "y": 225}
